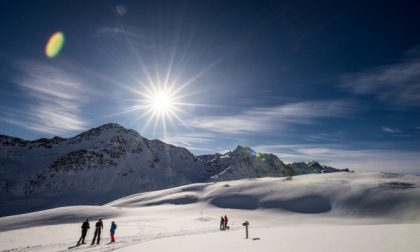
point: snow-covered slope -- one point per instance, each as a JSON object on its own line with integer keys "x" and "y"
{"x": 338, "y": 194}
{"x": 109, "y": 162}
{"x": 331, "y": 212}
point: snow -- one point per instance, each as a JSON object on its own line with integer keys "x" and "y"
{"x": 316, "y": 212}
{"x": 295, "y": 238}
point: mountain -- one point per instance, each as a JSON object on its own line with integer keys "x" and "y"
{"x": 109, "y": 162}
{"x": 301, "y": 168}
{"x": 244, "y": 162}
{"x": 101, "y": 164}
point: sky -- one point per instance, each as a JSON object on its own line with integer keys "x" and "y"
{"x": 332, "y": 81}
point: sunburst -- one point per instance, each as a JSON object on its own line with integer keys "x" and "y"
{"x": 162, "y": 97}
{"x": 162, "y": 102}
{"x": 161, "y": 105}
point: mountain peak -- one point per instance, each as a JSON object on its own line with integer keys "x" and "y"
{"x": 240, "y": 149}
{"x": 110, "y": 126}
{"x": 106, "y": 129}
{"x": 314, "y": 164}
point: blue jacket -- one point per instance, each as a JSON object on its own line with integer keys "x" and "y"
{"x": 113, "y": 227}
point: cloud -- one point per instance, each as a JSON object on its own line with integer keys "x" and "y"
{"x": 340, "y": 156}
{"x": 198, "y": 142}
{"x": 326, "y": 136}
{"x": 190, "y": 139}
{"x": 55, "y": 100}
{"x": 120, "y": 31}
{"x": 396, "y": 84}
{"x": 262, "y": 119}
{"x": 391, "y": 130}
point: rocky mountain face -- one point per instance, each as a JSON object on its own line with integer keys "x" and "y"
{"x": 301, "y": 168}
{"x": 110, "y": 161}
{"x": 244, "y": 162}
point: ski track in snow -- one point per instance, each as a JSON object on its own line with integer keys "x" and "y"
{"x": 121, "y": 243}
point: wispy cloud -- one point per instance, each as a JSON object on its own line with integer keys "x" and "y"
{"x": 199, "y": 142}
{"x": 55, "y": 100}
{"x": 261, "y": 119}
{"x": 340, "y": 156}
{"x": 326, "y": 136}
{"x": 190, "y": 139}
{"x": 418, "y": 127}
{"x": 391, "y": 130}
{"x": 114, "y": 30}
{"x": 397, "y": 84}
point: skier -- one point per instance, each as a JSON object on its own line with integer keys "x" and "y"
{"x": 98, "y": 228}
{"x": 226, "y": 222}
{"x": 113, "y": 228}
{"x": 222, "y": 223}
{"x": 85, "y": 227}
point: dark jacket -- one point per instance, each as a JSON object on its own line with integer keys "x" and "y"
{"x": 85, "y": 225}
{"x": 99, "y": 225}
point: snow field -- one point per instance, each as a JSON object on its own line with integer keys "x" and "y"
{"x": 332, "y": 212}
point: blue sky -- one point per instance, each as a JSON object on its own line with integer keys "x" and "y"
{"x": 338, "y": 82}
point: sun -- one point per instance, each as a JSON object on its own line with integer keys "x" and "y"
{"x": 162, "y": 102}
{"x": 164, "y": 106}
{"x": 161, "y": 93}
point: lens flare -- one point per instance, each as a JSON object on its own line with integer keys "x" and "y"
{"x": 54, "y": 45}
{"x": 121, "y": 10}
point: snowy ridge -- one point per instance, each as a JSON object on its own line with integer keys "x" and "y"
{"x": 109, "y": 162}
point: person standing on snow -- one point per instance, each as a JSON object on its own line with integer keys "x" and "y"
{"x": 226, "y": 222}
{"x": 113, "y": 228}
{"x": 98, "y": 228}
{"x": 222, "y": 223}
{"x": 85, "y": 227}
